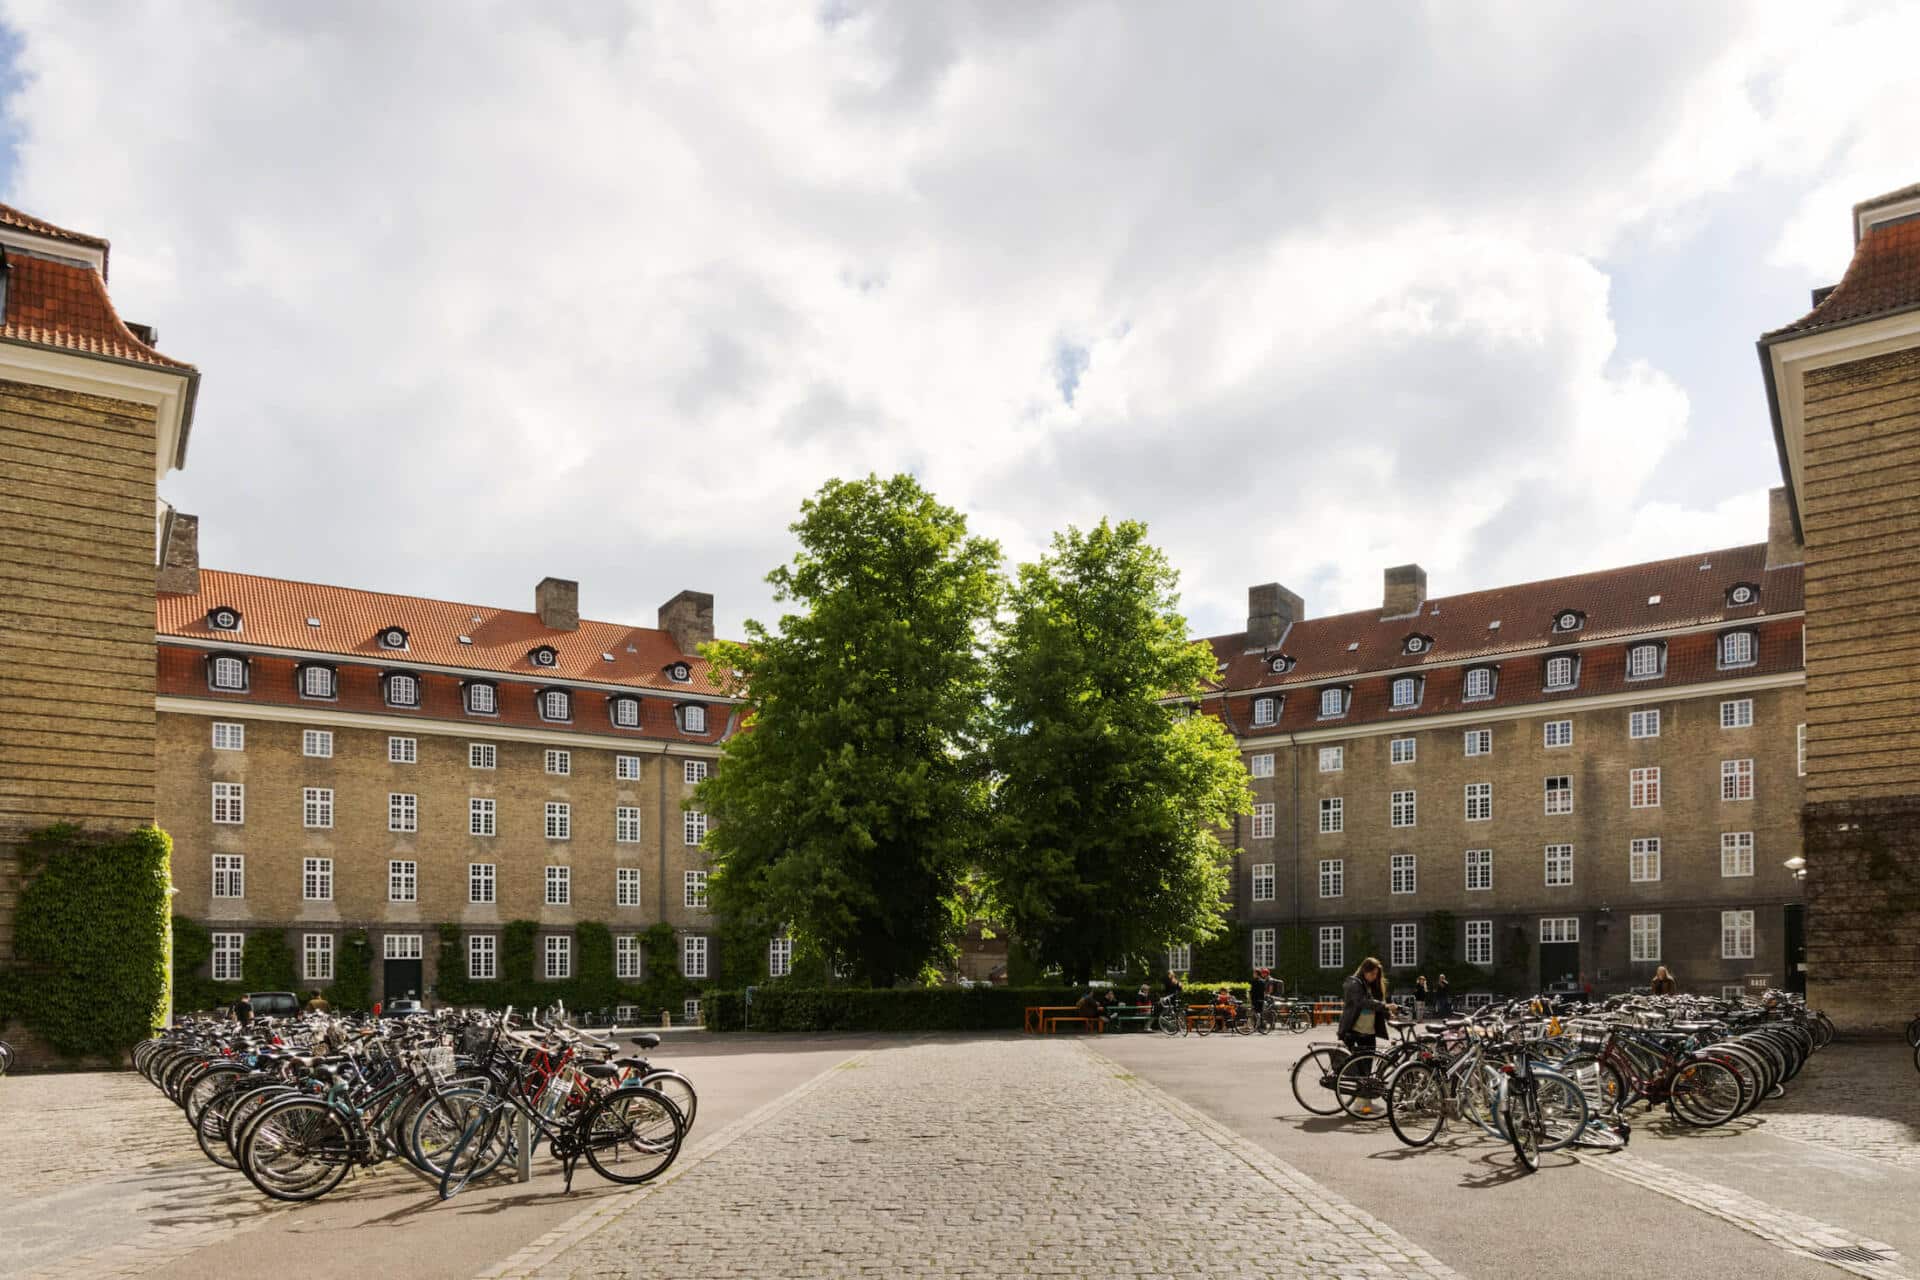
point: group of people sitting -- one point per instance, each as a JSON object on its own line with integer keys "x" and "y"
{"x": 1100, "y": 1004}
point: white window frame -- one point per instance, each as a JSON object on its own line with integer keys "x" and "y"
{"x": 1736, "y": 779}
{"x": 1643, "y": 788}
{"x": 1737, "y": 649}
{"x": 403, "y": 750}
{"x": 1477, "y": 742}
{"x": 317, "y": 743}
{"x": 694, "y": 828}
{"x": 1643, "y": 933}
{"x": 626, "y": 887}
{"x": 228, "y": 674}
{"x": 1333, "y": 703}
{"x": 1402, "y": 750}
{"x": 1736, "y": 854}
{"x": 1644, "y": 723}
{"x": 318, "y": 682}
{"x": 1333, "y": 877}
{"x": 1263, "y": 822}
{"x": 1479, "y": 870}
{"x": 1559, "y": 929}
{"x": 403, "y": 811}
{"x": 1333, "y": 946}
{"x": 1736, "y": 713}
{"x": 559, "y": 763}
{"x": 1403, "y": 946}
{"x": 693, "y": 718}
{"x": 1403, "y": 809}
{"x": 1265, "y": 712}
{"x": 693, "y": 957}
{"x": 1479, "y": 801}
{"x": 1261, "y": 765}
{"x": 626, "y": 768}
{"x": 229, "y": 804}
{"x": 1477, "y": 684}
{"x": 627, "y": 957}
{"x": 1563, "y": 672}
{"x": 1180, "y": 957}
{"x": 556, "y": 706}
{"x": 1736, "y": 935}
{"x": 480, "y": 816}
{"x": 1558, "y": 862}
{"x": 779, "y": 957}
{"x": 1643, "y": 661}
{"x": 1333, "y": 815}
{"x": 1557, "y": 801}
{"x": 1404, "y": 873}
{"x": 559, "y": 885}
{"x": 1337, "y": 756}
{"x": 690, "y": 1012}
{"x": 1264, "y": 948}
{"x": 626, "y": 713}
{"x": 1406, "y": 692}
{"x": 402, "y": 946}
{"x": 694, "y": 890}
{"x": 228, "y": 951}
{"x": 316, "y": 808}
{"x": 482, "y": 699}
{"x": 316, "y": 880}
{"x": 403, "y": 884}
{"x": 402, "y": 690}
{"x": 229, "y": 736}
{"x": 1555, "y": 734}
{"x": 1643, "y": 860}
{"x": 558, "y": 949}
{"x": 1800, "y": 749}
{"x": 693, "y": 772}
{"x": 316, "y": 954}
{"x": 483, "y": 954}
{"x": 229, "y": 875}
{"x": 482, "y": 886}
{"x": 482, "y": 755}
{"x": 626, "y": 824}
{"x": 559, "y": 817}
{"x": 1263, "y": 881}
{"x": 1480, "y": 943}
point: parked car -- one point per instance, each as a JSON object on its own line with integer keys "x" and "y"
{"x": 402, "y": 1008}
{"x": 1566, "y": 989}
{"x": 274, "y": 1004}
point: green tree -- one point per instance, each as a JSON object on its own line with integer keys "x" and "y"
{"x": 851, "y": 805}
{"x": 1106, "y": 794}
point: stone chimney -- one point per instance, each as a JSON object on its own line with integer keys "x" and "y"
{"x": 1783, "y": 545}
{"x": 688, "y": 618}
{"x": 179, "y": 572}
{"x": 1271, "y": 609}
{"x": 557, "y": 601}
{"x": 1406, "y": 591}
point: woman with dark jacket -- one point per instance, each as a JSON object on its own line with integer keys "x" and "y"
{"x": 1363, "y": 1013}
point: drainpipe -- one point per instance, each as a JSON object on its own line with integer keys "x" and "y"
{"x": 1293, "y": 750}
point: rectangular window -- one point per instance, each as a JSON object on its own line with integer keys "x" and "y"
{"x": 1479, "y": 802}
{"x": 1261, "y": 766}
{"x": 690, "y": 1013}
{"x": 481, "y": 952}
{"x": 626, "y": 825}
{"x": 1736, "y": 649}
{"x": 1559, "y": 864}
{"x": 226, "y": 956}
{"x": 403, "y": 812}
{"x": 317, "y": 743}
{"x": 1479, "y": 742}
{"x": 694, "y": 720}
{"x": 403, "y": 881}
{"x": 1644, "y": 932}
{"x": 1643, "y": 789}
{"x": 1560, "y": 673}
{"x": 403, "y": 691}
{"x": 1263, "y": 882}
{"x": 779, "y": 957}
{"x": 1643, "y": 660}
{"x": 1333, "y": 703}
{"x": 1263, "y": 712}
{"x": 1400, "y": 810}
{"x": 1737, "y": 714}
{"x": 1400, "y": 751}
{"x": 480, "y": 817}
{"x": 555, "y": 705}
{"x": 626, "y": 889}
{"x": 482, "y": 755}
{"x": 1478, "y": 684}
{"x": 626, "y": 768}
{"x": 560, "y": 763}
{"x": 316, "y": 880}
{"x": 1643, "y": 859}
{"x": 559, "y": 886}
{"x": 479, "y": 882}
{"x": 695, "y": 828}
{"x": 696, "y": 889}
{"x": 1405, "y": 946}
{"x": 626, "y": 957}
{"x": 1263, "y": 948}
{"x": 693, "y": 960}
{"x": 402, "y": 946}
{"x": 316, "y": 808}
{"x": 403, "y": 750}
{"x": 229, "y": 673}
{"x": 559, "y": 956}
{"x": 1333, "y": 947}
{"x": 1644, "y": 724}
{"x": 1479, "y": 868}
{"x": 559, "y": 820}
{"x": 1736, "y": 853}
{"x": 694, "y": 772}
{"x": 1560, "y": 928}
{"x": 1736, "y": 779}
{"x": 1560, "y": 794}
{"x": 1800, "y": 749}
{"x": 1406, "y": 692}
{"x": 1263, "y": 822}
{"x": 316, "y": 682}
{"x": 1480, "y": 942}
{"x": 229, "y": 803}
{"x": 1333, "y": 816}
{"x": 1333, "y": 759}
{"x": 231, "y": 737}
{"x": 626, "y": 712}
{"x": 1333, "y": 878}
{"x": 317, "y": 949}
{"x": 1559, "y": 733}
{"x": 229, "y": 875}
{"x": 481, "y": 700}
{"x": 1404, "y": 879}
{"x": 1180, "y": 958}
{"x": 1736, "y": 935}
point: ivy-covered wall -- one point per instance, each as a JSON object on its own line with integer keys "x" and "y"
{"x": 593, "y": 986}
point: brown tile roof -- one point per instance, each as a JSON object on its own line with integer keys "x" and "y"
{"x": 13, "y": 217}
{"x": 1883, "y": 277}
{"x": 53, "y": 304}
{"x": 274, "y": 613}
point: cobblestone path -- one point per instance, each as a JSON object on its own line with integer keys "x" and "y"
{"x": 904, "y": 1163}
{"x": 1857, "y": 1098}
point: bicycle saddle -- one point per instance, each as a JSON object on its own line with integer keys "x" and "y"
{"x": 647, "y": 1040}
{"x": 600, "y": 1070}
{"x": 632, "y": 1064}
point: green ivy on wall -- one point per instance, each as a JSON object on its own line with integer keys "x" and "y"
{"x": 593, "y": 986}
{"x": 352, "y": 985}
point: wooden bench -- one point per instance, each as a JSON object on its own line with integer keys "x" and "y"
{"x": 1037, "y": 1015}
{"x": 1130, "y": 1015}
{"x": 1085, "y": 1023}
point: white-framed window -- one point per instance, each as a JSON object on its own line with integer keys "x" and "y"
{"x": 1643, "y": 859}
{"x": 626, "y": 957}
{"x": 403, "y": 691}
{"x": 1644, "y": 935}
{"x": 480, "y": 817}
{"x": 1480, "y": 943}
{"x": 696, "y": 889}
{"x": 316, "y": 879}
{"x": 1479, "y": 742}
{"x": 1404, "y": 946}
{"x": 1264, "y": 710}
{"x": 229, "y": 875}
{"x": 1559, "y": 928}
{"x": 1263, "y": 948}
{"x": 403, "y": 882}
{"x": 482, "y": 755}
{"x": 1263, "y": 822}
{"x": 1736, "y": 779}
{"x": 693, "y": 719}
{"x": 1403, "y": 871}
{"x": 316, "y": 682}
{"x": 1560, "y": 794}
{"x": 317, "y": 949}
{"x": 559, "y": 886}
{"x": 480, "y": 882}
{"x": 1736, "y": 649}
{"x": 1559, "y": 864}
{"x": 1180, "y": 958}
{"x": 1261, "y": 766}
{"x": 693, "y": 772}
{"x": 482, "y": 957}
{"x": 1479, "y": 869}
{"x": 1333, "y": 877}
{"x": 626, "y": 887}
{"x": 1478, "y": 684}
{"x": 1263, "y": 882}
{"x": 626, "y": 712}
{"x": 1333, "y": 816}
{"x": 402, "y": 946}
{"x": 1406, "y": 692}
{"x": 1479, "y": 802}
{"x": 482, "y": 700}
{"x": 403, "y": 811}
{"x": 694, "y": 829}
{"x": 227, "y": 950}
{"x": 1736, "y": 935}
{"x": 559, "y": 763}
{"x": 229, "y": 803}
{"x": 626, "y": 824}
{"x": 1644, "y": 724}
{"x": 1562, "y": 672}
{"x": 1643, "y": 788}
{"x": 316, "y": 808}
{"x": 1333, "y": 703}
{"x": 690, "y": 1012}
{"x": 556, "y": 704}
{"x": 229, "y": 673}
{"x": 1733, "y": 991}
{"x": 1800, "y": 749}
{"x": 559, "y": 956}
{"x": 693, "y": 964}
{"x": 1400, "y": 809}
{"x": 1333, "y": 947}
{"x": 317, "y": 743}
{"x": 626, "y": 768}
{"x": 1643, "y": 661}
{"x": 559, "y": 820}
{"x": 228, "y": 736}
{"x": 1401, "y": 751}
{"x": 1736, "y": 853}
{"x": 1333, "y": 759}
{"x": 779, "y": 957}
{"x": 1736, "y": 713}
{"x": 1558, "y": 733}
{"x": 403, "y": 750}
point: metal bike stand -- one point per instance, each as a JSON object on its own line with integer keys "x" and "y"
{"x": 522, "y": 1146}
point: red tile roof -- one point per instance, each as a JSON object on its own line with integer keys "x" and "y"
{"x": 1883, "y": 277}
{"x": 53, "y": 304}
{"x": 13, "y": 217}
{"x": 274, "y": 615}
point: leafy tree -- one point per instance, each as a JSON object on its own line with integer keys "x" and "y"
{"x": 1106, "y": 794}
{"x": 851, "y": 806}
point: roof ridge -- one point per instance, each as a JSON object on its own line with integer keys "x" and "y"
{"x": 40, "y": 226}
{"x": 398, "y": 595}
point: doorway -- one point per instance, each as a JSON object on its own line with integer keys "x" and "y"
{"x": 1559, "y": 962}
{"x": 402, "y": 980}
{"x": 1796, "y": 957}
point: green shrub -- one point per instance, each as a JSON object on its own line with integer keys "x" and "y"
{"x": 787, "y": 1008}
{"x": 593, "y": 986}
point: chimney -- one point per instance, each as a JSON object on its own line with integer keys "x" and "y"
{"x": 688, "y": 618}
{"x": 557, "y": 601}
{"x": 1271, "y": 609}
{"x": 1783, "y": 546}
{"x": 1406, "y": 591}
{"x": 179, "y": 572}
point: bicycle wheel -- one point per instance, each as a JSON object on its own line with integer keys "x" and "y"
{"x": 1361, "y": 1088}
{"x": 1524, "y": 1125}
{"x": 1913, "y": 1033}
{"x": 478, "y": 1150}
{"x": 1298, "y": 1022}
{"x": 1563, "y": 1108}
{"x": 438, "y": 1126}
{"x": 679, "y": 1091}
{"x": 633, "y": 1135}
{"x": 1417, "y": 1103}
{"x": 1704, "y": 1094}
{"x": 297, "y": 1149}
{"x": 1264, "y": 1023}
{"x": 1313, "y": 1080}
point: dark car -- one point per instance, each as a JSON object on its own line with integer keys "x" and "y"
{"x": 1566, "y": 989}
{"x": 274, "y": 1004}
{"x": 402, "y": 1009}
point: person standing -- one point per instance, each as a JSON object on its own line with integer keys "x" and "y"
{"x": 1421, "y": 998}
{"x": 1364, "y": 1017}
{"x": 243, "y": 1010}
{"x": 1442, "y": 996}
{"x": 1257, "y": 995}
{"x": 1663, "y": 983}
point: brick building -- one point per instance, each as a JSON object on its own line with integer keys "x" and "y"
{"x": 1587, "y": 776}
{"x": 341, "y": 760}
{"x": 1843, "y": 384}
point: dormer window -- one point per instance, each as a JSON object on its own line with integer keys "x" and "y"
{"x": 402, "y": 689}
{"x": 1406, "y": 692}
{"x": 1646, "y": 661}
{"x": 227, "y": 673}
{"x": 544, "y": 656}
{"x": 1736, "y": 649}
{"x": 1568, "y": 620}
{"x": 1562, "y": 672}
{"x": 1742, "y": 594}
{"x": 393, "y": 638}
{"x": 556, "y": 705}
{"x": 680, "y": 673}
{"x": 223, "y": 618}
{"x": 482, "y": 698}
{"x": 1478, "y": 684}
{"x": 1280, "y": 664}
{"x": 1333, "y": 702}
{"x": 693, "y": 718}
{"x": 626, "y": 712}
{"x": 1417, "y": 644}
{"x": 1265, "y": 711}
{"x": 318, "y": 681}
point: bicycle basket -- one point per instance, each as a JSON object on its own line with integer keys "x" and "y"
{"x": 438, "y": 1061}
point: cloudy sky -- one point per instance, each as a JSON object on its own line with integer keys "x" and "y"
{"x": 487, "y": 292}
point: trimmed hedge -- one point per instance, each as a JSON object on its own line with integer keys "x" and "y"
{"x": 778, "y": 1007}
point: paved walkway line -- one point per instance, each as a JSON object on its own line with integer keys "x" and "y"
{"x": 537, "y": 1254}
